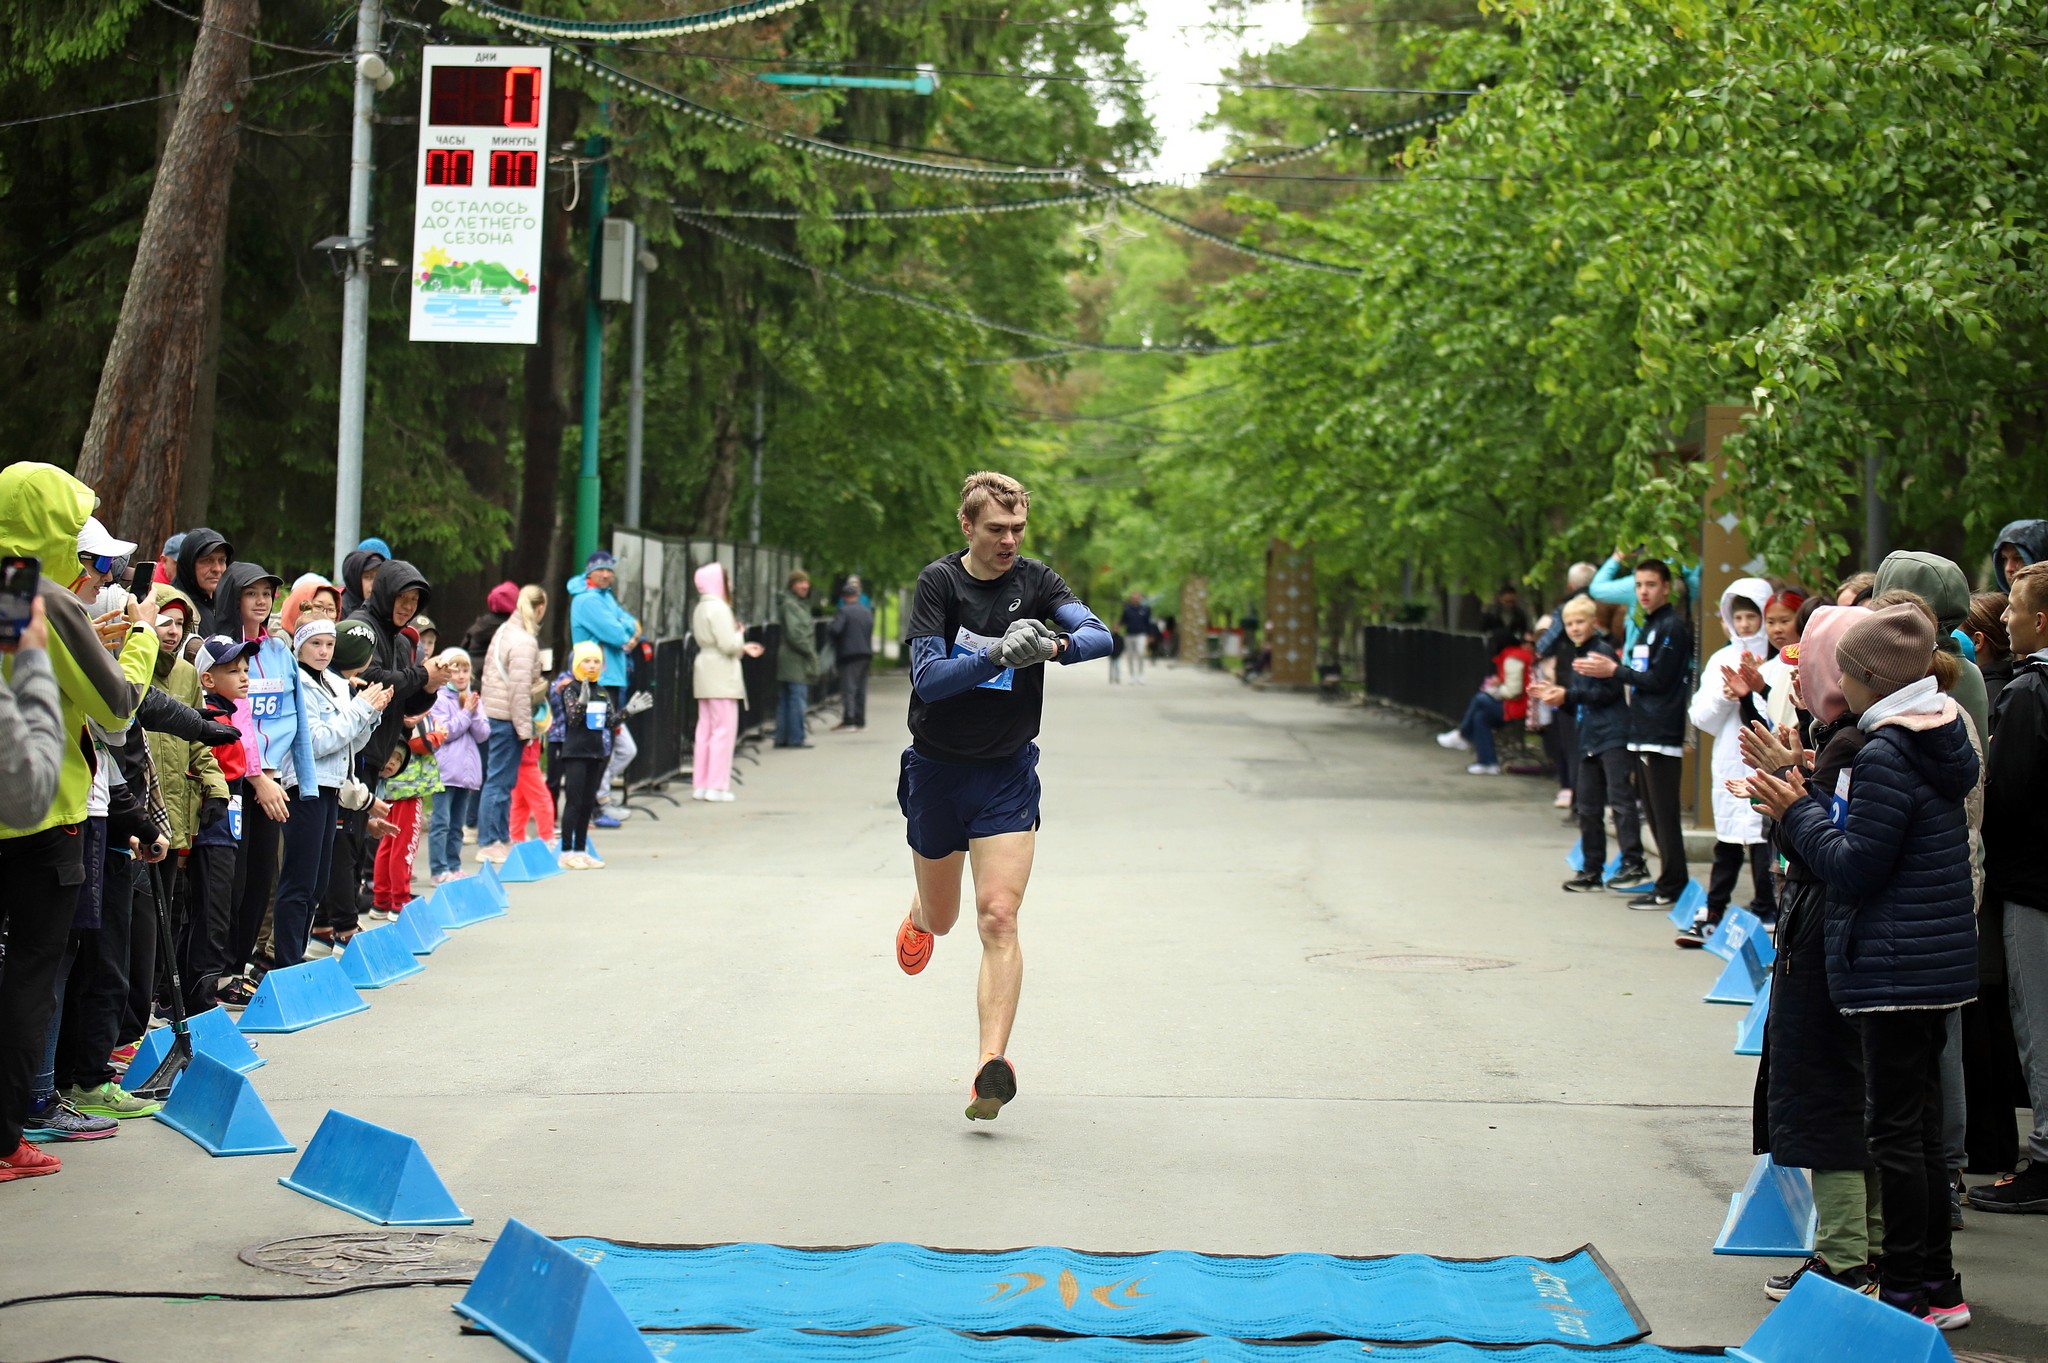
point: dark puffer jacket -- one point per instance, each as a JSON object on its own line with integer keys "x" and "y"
{"x": 396, "y": 663}
{"x": 1901, "y": 932}
{"x": 1658, "y": 669}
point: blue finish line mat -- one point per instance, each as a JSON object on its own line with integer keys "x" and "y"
{"x": 943, "y": 1346}
{"x": 1402, "y": 1298}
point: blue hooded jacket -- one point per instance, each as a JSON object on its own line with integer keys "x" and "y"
{"x": 595, "y": 614}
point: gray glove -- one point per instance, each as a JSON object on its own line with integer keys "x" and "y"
{"x": 1026, "y": 643}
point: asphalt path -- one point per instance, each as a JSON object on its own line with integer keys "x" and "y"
{"x": 1294, "y": 982}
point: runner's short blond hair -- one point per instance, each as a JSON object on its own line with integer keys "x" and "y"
{"x": 984, "y": 487}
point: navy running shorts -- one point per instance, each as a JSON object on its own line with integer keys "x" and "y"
{"x": 948, "y": 804}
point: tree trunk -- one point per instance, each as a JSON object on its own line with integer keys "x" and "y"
{"x": 546, "y": 405}
{"x": 134, "y": 449}
{"x": 195, "y": 486}
{"x": 730, "y": 423}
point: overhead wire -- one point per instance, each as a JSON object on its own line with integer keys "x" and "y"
{"x": 1069, "y": 343}
{"x": 583, "y": 30}
{"x": 159, "y": 98}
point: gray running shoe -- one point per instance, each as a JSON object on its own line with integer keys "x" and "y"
{"x": 60, "y": 1121}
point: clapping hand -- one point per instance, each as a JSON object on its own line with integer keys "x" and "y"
{"x": 1776, "y": 796}
{"x": 376, "y": 695}
{"x": 1595, "y": 665}
{"x": 1548, "y": 694}
{"x": 1767, "y": 751}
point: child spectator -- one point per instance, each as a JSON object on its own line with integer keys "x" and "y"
{"x": 338, "y": 724}
{"x": 582, "y": 713}
{"x": 2015, "y": 830}
{"x": 427, "y": 635}
{"x": 1902, "y": 945}
{"x": 1783, "y": 614}
{"x": 1656, "y": 668}
{"x": 410, "y": 774}
{"x": 1606, "y": 768}
{"x": 458, "y": 714}
{"x": 210, "y": 977}
{"x": 351, "y": 868}
{"x": 1717, "y": 712}
{"x": 1985, "y": 624}
{"x": 532, "y": 802}
{"x": 1501, "y": 699}
{"x": 1808, "y": 1107}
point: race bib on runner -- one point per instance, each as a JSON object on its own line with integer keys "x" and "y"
{"x": 968, "y": 642}
{"x": 235, "y": 817}
{"x": 1639, "y": 657}
{"x": 266, "y": 697}
{"x": 1838, "y": 803}
{"x": 594, "y": 715}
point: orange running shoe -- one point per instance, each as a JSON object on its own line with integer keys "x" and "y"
{"x": 27, "y": 1162}
{"x": 913, "y": 947}
{"x": 995, "y": 1085}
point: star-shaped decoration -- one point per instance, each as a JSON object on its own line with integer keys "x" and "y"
{"x": 1111, "y": 232}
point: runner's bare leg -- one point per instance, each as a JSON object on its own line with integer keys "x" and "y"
{"x": 1002, "y": 869}
{"x": 935, "y": 903}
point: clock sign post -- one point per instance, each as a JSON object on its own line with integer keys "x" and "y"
{"x": 481, "y": 188}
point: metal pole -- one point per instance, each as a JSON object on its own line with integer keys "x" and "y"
{"x": 593, "y": 357}
{"x": 1877, "y": 532}
{"x": 636, "y": 396}
{"x": 754, "y": 521}
{"x": 355, "y": 297}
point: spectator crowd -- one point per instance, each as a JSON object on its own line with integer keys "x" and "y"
{"x": 1879, "y": 777}
{"x": 206, "y": 774}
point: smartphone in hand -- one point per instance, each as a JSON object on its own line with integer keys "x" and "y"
{"x": 19, "y": 578}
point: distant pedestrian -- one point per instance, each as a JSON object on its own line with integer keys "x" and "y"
{"x": 796, "y": 663}
{"x": 852, "y": 632}
{"x": 498, "y": 608}
{"x": 1137, "y": 623}
{"x": 719, "y": 685}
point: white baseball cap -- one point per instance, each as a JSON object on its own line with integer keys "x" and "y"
{"x": 95, "y": 538}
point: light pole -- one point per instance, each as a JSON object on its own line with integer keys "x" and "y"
{"x": 636, "y": 395}
{"x": 371, "y": 76}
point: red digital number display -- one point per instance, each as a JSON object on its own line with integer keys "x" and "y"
{"x": 451, "y": 167}
{"x": 485, "y": 97}
{"x": 514, "y": 169}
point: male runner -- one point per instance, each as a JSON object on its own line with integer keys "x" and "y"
{"x": 969, "y": 780}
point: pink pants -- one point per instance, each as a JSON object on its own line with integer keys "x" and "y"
{"x": 718, "y": 728}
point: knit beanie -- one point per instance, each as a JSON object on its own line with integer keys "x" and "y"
{"x": 355, "y": 643}
{"x": 1888, "y": 651}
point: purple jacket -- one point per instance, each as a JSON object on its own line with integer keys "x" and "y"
{"x": 462, "y": 761}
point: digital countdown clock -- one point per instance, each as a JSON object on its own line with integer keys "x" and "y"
{"x": 481, "y": 190}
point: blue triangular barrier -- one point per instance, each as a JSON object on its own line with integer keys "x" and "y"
{"x": 375, "y": 1173}
{"x": 463, "y": 902}
{"x": 1575, "y": 860}
{"x": 1743, "y": 978}
{"x": 532, "y": 860}
{"x": 547, "y": 1305}
{"x": 1749, "y": 1033}
{"x": 301, "y": 996}
{"x": 1691, "y": 900}
{"x": 1737, "y": 926}
{"x": 1772, "y": 1214}
{"x": 419, "y": 929}
{"x": 496, "y": 887}
{"x": 379, "y": 957}
{"x": 1824, "y": 1322}
{"x": 213, "y": 1033}
{"x": 218, "y": 1110}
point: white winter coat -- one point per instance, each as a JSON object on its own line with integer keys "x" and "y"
{"x": 1713, "y": 714}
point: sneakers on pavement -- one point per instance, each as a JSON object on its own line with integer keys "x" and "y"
{"x": 1585, "y": 882}
{"x": 110, "y": 1100}
{"x": 27, "y": 1162}
{"x": 1653, "y": 902}
{"x": 605, "y": 820}
{"x": 720, "y": 797}
{"x": 1946, "y": 1309}
{"x": 1857, "y": 1278}
{"x": 1563, "y": 800}
{"x": 495, "y": 853}
{"x": 994, "y": 1085}
{"x": 1453, "y": 740}
{"x": 2026, "y": 1191}
{"x": 913, "y": 947}
{"x": 234, "y": 993}
{"x": 1696, "y": 935}
{"x": 1630, "y": 874}
{"x": 58, "y": 1120}
{"x": 1483, "y": 769}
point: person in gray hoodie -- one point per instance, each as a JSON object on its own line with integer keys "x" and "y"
{"x": 31, "y": 726}
{"x": 2019, "y": 543}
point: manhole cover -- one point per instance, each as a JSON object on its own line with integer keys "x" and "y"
{"x": 387, "y": 1256}
{"x": 1371, "y": 960}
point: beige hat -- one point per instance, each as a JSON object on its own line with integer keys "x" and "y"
{"x": 1889, "y": 650}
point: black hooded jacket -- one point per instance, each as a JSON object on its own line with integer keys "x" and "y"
{"x": 198, "y": 544}
{"x": 225, "y": 615}
{"x": 358, "y": 562}
{"x": 2029, "y": 537}
{"x": 395, "y": 663}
